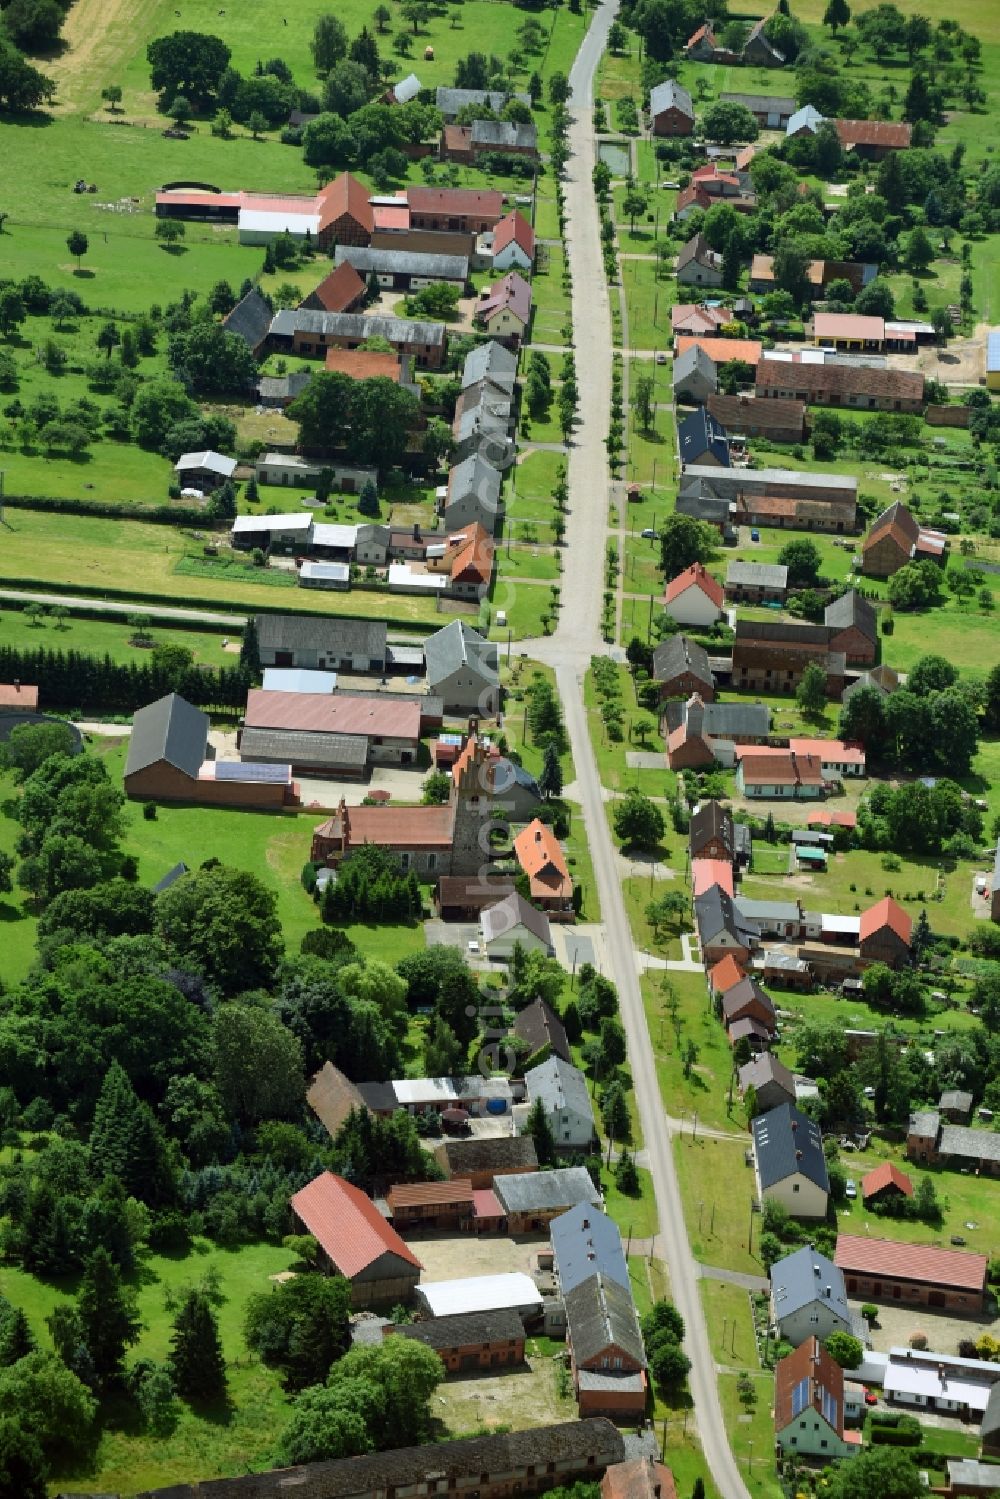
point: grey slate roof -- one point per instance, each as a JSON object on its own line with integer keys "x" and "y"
{"x": 601, "y": 1314}
{"x": 491, "y": 361}
{"x": 694, "y": 358}
{"x": 450, "y": 101}
{"x": 801, "y": 1278}
{"x": 705, "y": 507}
{"x": 359, "y": 325}
{"x": 474, "y": 476}
{"x": 725, "y": 720}
{"x": 700, "y": 435}
{"x": 757, "y": 575}
{"x": 457, "y": 645}
{"x": 670, "y": 95}
{"x": 715, "y": 912}
{"x": 465, "y": 1328}
{"x": 973, "y": 1144}
{"x": 767, "y": 910}
{"x": 586, "y": 1241}
{"x": 852, "y": 609}
{"x": 559, "y": 1085}
{"x": 340, "y": 637}
{"x": 787, "y": 1142}
{"x": 283, "y": 387}
{"x": 678, "y": 655}
{"x": 539, "y": 1025}
{"x": 710, "y": 820}
{"x": 957, "y": 1099}
{"x": 742, "y": 993}
{"x": 503, "y": 135}
{"x": 250, "y": 319}
{"x": 969, "y": 1475}
{"x": 543, "y": 1190}
{"x": 511, "y": 912}
{"x": 763, "y": 1069}
{"x": 924, "y": 1122}
{"x": 402, "y": 262}
{"x": 300, "y": 747}
{"x": 487, "y": 1153}
{"x": 698, "y": 248}
{"x": 170, "y": 729}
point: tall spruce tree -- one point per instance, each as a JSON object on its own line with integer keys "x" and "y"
{"x": 540, "y": 1130}
{"x": 108, "y": 1318}
{"x": 550, "y": 780}
{"x": 196, "y": 1362}
{"x": 127, "y": 1144}
{"x": 250, "y": 649}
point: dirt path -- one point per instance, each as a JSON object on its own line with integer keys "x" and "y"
{"x": 98, "y": 34}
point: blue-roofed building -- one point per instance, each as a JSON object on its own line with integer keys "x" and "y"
{"x": 809, "y": 1405}
{"x": 805, "y": 120}
{"x": 298, "y": 679}
{"x": 702, "y": 440}
{"x": 993, "y": 359}
{"x": 586, "y": 1242}
{"x": 808, "y": 1298}
{"x": 789, "y": 1163}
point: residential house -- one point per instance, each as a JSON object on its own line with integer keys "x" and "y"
{"x": 781, "y": 775}
{"x": 540, "y": 1028}
{"x": 530, "y": 1201}
{"x": 699, "y": 734}
{"x": 808, "y": 1296}
{"x": 514, "y": 922}
{"x": 884, "y": 1184}
{"x": 680, "y": 667}
{"x": 513, "y": 243}
{"x": 955, "y": 1105}
{"x": 708, "y": 872}
{"x": 822, "y": 501}
{"x": 757, "y": 51}
{"x": 789, "y": 1165}
{"x": 250, "y": 320}
{"x": 671, "y": 111}
{"x": 721, "y": 928}
{"x": 701, "y": 439}
{"x": 886, "y": 933}
{"x": 859, "y": 387}
{"x": 722, "y": 350}
{"x": 404, "y": 270}
{"x": 776, "y": 421}
{"x": 896, "y": 538}
{"x": 170, "y": 760}
{"x": 756, "y": 583}
{"x": 481, "y": 426}
{"x": 356, "y": 1241}
{"x": 204, "y": 471}
{"x": 915, "y": 1274}
{"x": 485, "y": 1157}
{"x": 694, "y": 597}
{"x": 853, "y": 624}
{"x": 472, "y": 494}
{"x": 468, "y": 1341}
{"x": 698, "y": 264}
{"x": 606, "y": 1352}
{"x": 702, "y": 46}
{"x": 451, "y": 101}
{"x": 343, "y": 290}
{"x": 747, "y": 999}
{"x": 440, "y": 1205}
{"x": 642, "y": 1478}
{"x": 809, "y": 1405}
{"x": 771, "y": 111}
{"x": 836, "y": 758}
{"x": 711, "y": 833}
{"x": 309, "y": 333}
{"x": 771, "y": 1081}
{"x": 463, "y": 669}
{"x": 695, "y": 379}
{"x": 586, "y": 1242}
{"x": 565, "y": 1098}
{"x": 725, "y": 974}
{"x": 819, "y": 273}
{"x": 698, "y": 318}
{"x": 771, "y": 656}
{"x": 511, "y": 137}
{"x": 538, "y": 852}
{"x": 456, "y": 209}
{"x": 490, "y": 361}
{"x": 873, "y": 139}
{"x": 322, "y": 642}
{"x": 504, "y": 309}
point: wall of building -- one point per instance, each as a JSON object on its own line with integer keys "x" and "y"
{"x": 163, "y": 782}
{"x": 872, "y": 1288}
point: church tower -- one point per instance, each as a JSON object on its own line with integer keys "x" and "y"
{"x": 472, "y": 808}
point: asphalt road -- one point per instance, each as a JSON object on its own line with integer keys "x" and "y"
{"x": 568, "y": 650}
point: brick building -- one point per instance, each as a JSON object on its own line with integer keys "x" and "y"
{"x": 853, "y": 626}
{"x": 896, "y": 538}
{"x": 886, "y": 932}
{"x": 771, "y": 656}
{"x": 482, "y": 1159}
{"x": 917, "y": 1274}
{"x": 680, "y": 667}
{"x": 469, "y": 1341}
{"x": 356, "y": 1241}
{"x": 860, "y": 388}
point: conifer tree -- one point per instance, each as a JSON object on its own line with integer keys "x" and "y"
{"x": 127, "y": 1143}
{"x": 550, "y": 780}
{"x": 538, "y": 1127}
{"x": 250, "y": 649}
{"x": 108, "y": 1318}
{"x": 197, "y": 1366}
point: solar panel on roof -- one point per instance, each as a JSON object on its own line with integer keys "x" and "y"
{"x": 830, "y": 1408}
{"x": 250, "y": 770}
{"x": 800, "y": 1397}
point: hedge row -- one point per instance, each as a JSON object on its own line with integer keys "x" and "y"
{"x": 156, "y": 515}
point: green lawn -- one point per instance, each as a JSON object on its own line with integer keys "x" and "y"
{"x": 964, "y": 1199}
{"x": 706, "y": 1091}
{"x": 712, "y": 1174}
{"x": 635, "y": 1216}
{"x": 730, "y": 1324}
{"x": 98, "y": 637}
{"x": 18, "y": 923}
{"x": 551, "y": 300}
{"x": 751, "y": 1433}
{"x": 648, "y": 300}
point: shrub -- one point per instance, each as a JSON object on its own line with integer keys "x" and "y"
{"x": 149, "y": 811}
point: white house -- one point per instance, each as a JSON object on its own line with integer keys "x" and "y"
{"x": 566, "y": 1101}
{"x": 511, "y": 921}
{"x": 513, "y": 243}
{"x": 289, "y": 468}
{"x": 694, "y": 597}
{"x": 789, "y": 1164}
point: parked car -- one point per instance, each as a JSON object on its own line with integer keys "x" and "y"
{"x": 755, "y": 535}
{"x": 851, "y": 1190}
{"x": 473, "y": 946}
{"x": 649, "y": 534}
{"x": 870, "y": 1397}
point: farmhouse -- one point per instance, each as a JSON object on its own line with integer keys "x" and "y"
{"x": 771, "y": 111}
{"x": 606, "y": 1351}
{"x": 512, "y": 244}
{"x": 680, "y": 667}
{"x": 808, "y": 1296}
{"x": 540, "y": 1028}
{"x": 463, "y": 669}
{"x": 756, "y": 582}
{"x": 896, "y": 538}
{"x": 721, "y": 928}
{"x": 694, "y": 377}
{"x": 482, "y": 1159}
{"x": 586, "y": 1242}
{"x": 711, "y": 833}
{"x": 831, "y": 498}
{"x": 809, "y": 1404}
{"x": 512, "y": 137}
{"x": 769, "y": 656}
{"x": 490, "y": 361}
{"x": 789, "y": 1164}
{"x": 404, "y": 270}
{"x": 859, "y": 387}
{"x": 538, "y": 852}
{"x": 776, "y": 421}
{"x": 451, "y": 101}
{"x": 504, "y": 309}
{"x": 698, "y": 265}
{"x": 671, "y": 111}
{"x": 309, "y": 333}
{"x": 512, "y": 922}
{"x": 699, "y": 733}
{"x": 565, "y": 1098}
{"x": 462, "y": 209}
{"x": 694, "y": 597}
{"x": 701, "y": 439}
{"x": 356, "y": 1241}
{"x": 469, "y": 1340}
{"x": 532, "y": 1200}
{"x": 885, "y": 1270}
{"x": 770, "y": 1080}
{"x": 343, "y": 290}
{"x": 169, "y": 759}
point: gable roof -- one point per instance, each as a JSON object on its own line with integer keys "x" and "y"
{"x": 746, "y": 992}
{"x": 491, "y": 360}
{"x": 921, "y": 1263}
{"x": 331, "y": 1095}
{"x": 338, "y": 291}
{"x": 347, "y": 1225}
{"x": 640, "y": 1478}
{"x": 464, "y": 1329}
{"x": 539, "y": 1025}
{"x": 715, "y": 912}
{"x": 695, "y": 576}
{"x": 539, "y": 1191}
{"x": 487, "y": 1153}
{"x": 886, "y": 913}
{"x": 476, "y": 478}
{"x": 560, "y": 1086}
{"x": 504, "y": 135}
{"x": 710, "y": 820}
{"x": 345, "y": 196}
{"x": 326, "y": 634}
{"x": 708, "y": 872}
{"x": 727, "y": 971}
{"x": 670, "y": 95}
{"x": 458, "y": 645}
{"x": 250, "y": 319}
{"x": 785, "y": 768}
{"x": 761, "y": 103}
{"x": 722, "y": 350}
{"x": 806, "y": 118}
{"x": 170, "y": 729}
{"x": 540, "y": 855}
{"x": 805, "y": 1276}
{"x": 809, "y": 1379}
{"x": 787, "y": 1142}
{"x": 887, "y": 1174}
{"x": 764, "y": 1068}
{"x": 852, "y": 610}
{"x": 886, "y": 133}
{"x": 776, "y": 415}
{"x": 406, "y": 89}
{"x": 514, "y": 228}
{"x": 700, "y": 435}
{"x": 677, "y": 655}
{"x": 694, "y": 360}
{"x": 511, "y": 912}
{"x": 600, "y": 1314}
{"x": 698, "y": 248}
{"x": 511, "y": 294}
{"x": 586, "y": 1242}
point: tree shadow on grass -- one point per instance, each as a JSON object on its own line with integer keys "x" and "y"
{"x": 10, "y": 913}
{"x": 218, "y": 1411}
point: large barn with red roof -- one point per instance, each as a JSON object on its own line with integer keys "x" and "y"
{"x": 357, "y": 1241}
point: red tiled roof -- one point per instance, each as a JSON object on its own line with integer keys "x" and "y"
{"x": 641, "y": 1478}
{"x": 397, "y": 827}
{"x": 708, "y": 872}
{"x": 886, "y": 913}
{"x": 695, "y": 576}
{"x": 18, "y": 695}
{"x": 721, "y": 350}
{"x": 363, "y": 364}
{"x": 418, "y": 1194}
{"x": 455, "y": 200}
{"x": 347, "y": 1225}
{"x": 852, "y": 325}
{"x": 340, "y": 290}
{"x": 391, "y": 215}
{"x": 485, "y": 1203}
{"x": 810, "y": 1362}
{"x": 725, "y": 974}
{"x": 888, "y": 1174}
{"x": 785, "y": 769}
{"x": 829, "y": 750}
{"x": 514, "y": 226}
{"x": 540, "y": 856}
{"x": 693, "y": 319}
{"x": 955, "y": 1268}
{"x": 873, "y": 133}
{"x": 832, "y": 819}
{"x": 703, "y": 31}
{"x": 318, "y": 712}
{"x": 345, "y": 195}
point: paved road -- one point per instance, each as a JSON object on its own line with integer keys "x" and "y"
{"x": 568, "y": 650}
